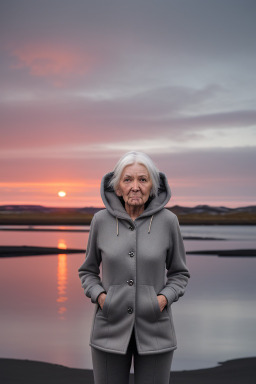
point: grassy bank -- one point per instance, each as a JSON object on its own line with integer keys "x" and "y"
{"x": 79, "y": 218}
{"x": 45, "y": 218}
{"x": 237, "y": 218}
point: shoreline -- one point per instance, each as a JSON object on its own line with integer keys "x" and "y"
{"x": 237, "y": 371}
{"x": 7, "y": 251}
{"x": 225, "y": 252}
{"x": 182, "y": 221}
{"x": 44, "y": 230}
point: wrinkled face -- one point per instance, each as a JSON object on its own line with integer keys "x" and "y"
{"x": 135, "y": 185}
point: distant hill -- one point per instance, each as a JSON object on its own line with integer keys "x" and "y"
{"x": 177, "y": 209}
{"x": 200, "y": 214}
{"x": 41, "y": 208}
{"x": 198, "y": 209}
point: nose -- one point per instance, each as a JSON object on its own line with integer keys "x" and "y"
{"x": 135, "y": 186}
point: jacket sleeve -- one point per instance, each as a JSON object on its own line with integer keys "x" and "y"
{"x": 89, "y": 270}
{"x": 177, "y": 271}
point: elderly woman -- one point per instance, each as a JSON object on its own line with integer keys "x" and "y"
{"x": 136, "y": 240}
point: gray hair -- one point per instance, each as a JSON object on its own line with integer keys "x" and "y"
{"x": 130, "y": 158}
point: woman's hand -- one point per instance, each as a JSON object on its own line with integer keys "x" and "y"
{"x": 162, "y": 301}
{"x": 101, "y": 299}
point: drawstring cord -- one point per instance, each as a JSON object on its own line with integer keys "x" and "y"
{"x": 149, "y": 228}
{"x": 117, "y": 225}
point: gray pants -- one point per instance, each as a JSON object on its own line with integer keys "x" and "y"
{"x": 113, "y": 368}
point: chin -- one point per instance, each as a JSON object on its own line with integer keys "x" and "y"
{"x": 137, "y": 203}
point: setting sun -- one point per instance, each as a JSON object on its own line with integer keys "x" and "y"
{"x": 61, "y": 193}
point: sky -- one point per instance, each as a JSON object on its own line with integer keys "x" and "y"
{"x": 82, "y": 82}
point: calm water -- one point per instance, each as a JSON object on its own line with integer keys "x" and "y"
{"x": 45, "y": 315}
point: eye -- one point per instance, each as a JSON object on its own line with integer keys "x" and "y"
{"x": 143, "y": 179}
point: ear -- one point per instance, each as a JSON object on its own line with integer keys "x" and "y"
{"x": 118, "y": 192}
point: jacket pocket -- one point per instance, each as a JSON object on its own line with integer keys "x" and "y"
{"x": 106, "y": 306}
{"x": 156, "y": 306}
{"x": 155, "y": 327}
{"x": 147, "y": 304}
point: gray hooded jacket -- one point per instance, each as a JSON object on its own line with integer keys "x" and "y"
{"x": 134, "y": 256}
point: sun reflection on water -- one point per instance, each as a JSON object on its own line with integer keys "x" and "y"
{"x": 62, "y": 273}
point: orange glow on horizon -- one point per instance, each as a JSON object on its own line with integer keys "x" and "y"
{"x": 87, "y": 194}
{"x": 80, "y": 194}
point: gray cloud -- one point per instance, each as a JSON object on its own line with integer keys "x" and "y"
{"x": 176, "y": 112}
{"x": 183, "y": 25}
{"x": 99, "y": 75}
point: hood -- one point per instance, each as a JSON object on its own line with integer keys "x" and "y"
{"x": 115, "y": 207}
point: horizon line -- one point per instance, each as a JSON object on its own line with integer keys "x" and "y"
{"x": 103, "y": 207}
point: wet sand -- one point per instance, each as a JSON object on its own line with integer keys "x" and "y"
{"x": 18, "y": 251}
{"x": 226, "y": 252}
{"x": 240, "y": 371}
{"x": 32, "y": 229}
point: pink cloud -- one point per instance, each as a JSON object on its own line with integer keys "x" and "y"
{"x": 52, "y": 61}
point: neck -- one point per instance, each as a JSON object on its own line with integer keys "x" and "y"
{"x": 134, "y": 210}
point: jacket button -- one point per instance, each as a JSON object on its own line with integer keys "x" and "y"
{"x": 131, "y": 253}
{"x": 131, "y": 228}
{"x": 130, "y": 310}
{"x": 130, "y": 282}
